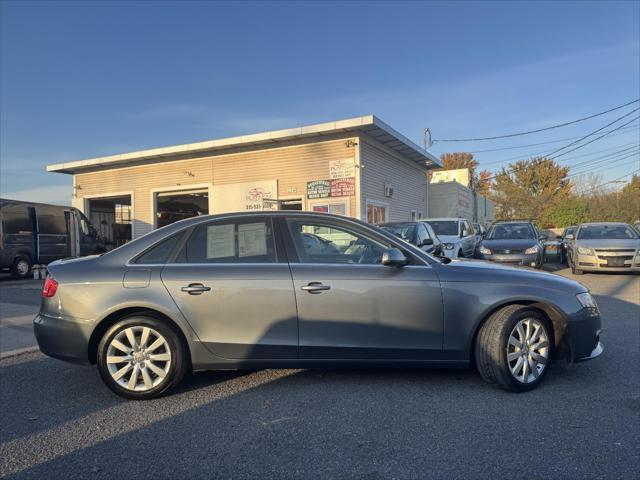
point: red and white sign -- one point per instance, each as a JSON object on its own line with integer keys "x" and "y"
{"x": 343, "y": 187}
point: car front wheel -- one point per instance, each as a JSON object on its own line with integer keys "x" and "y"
{"x": 513, "y": 348}
{"x": 141, "y": 357}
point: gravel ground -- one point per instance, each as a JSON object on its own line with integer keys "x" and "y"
{"x": 59, "y": 421}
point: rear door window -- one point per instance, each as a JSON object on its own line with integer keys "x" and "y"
{"x": 250, "y": 241}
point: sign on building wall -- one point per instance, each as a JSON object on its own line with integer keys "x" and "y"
{"x": 238, "y": 197}
{"x": 318, "y": 189}
{"x": 342, "y": 169}
{"x": 343, "y": 187}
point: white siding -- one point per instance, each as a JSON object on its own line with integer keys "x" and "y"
{"x": 380, "y": 165}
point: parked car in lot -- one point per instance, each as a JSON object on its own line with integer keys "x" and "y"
{"x": 514, "y": 243}
{"x": 246, "y": 291}
{"x": 456, "y": 234}
{"x": 605, "y": 247}
{"x": 565, "y": 239}
{"x": 419, "y": 234}
{"x": 37, "y": 233}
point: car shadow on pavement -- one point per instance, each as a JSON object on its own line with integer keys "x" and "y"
{"x": 328, "y": 422}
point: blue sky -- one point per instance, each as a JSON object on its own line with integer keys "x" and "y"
{"x": 85, "y": 79}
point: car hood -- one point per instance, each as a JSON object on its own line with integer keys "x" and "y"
{"x": 477, "y": 271}
{"x": 609, "y": 243}
{"x": 510, "y": 244}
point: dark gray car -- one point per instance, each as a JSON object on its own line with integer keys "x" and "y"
{"x": 249, "y": 291}
{"x": 515, "y": 243}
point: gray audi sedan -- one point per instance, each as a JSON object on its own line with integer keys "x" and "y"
{"x": 250, "y": 291}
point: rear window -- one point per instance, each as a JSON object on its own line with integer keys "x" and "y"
{"x": 160, "y": 252}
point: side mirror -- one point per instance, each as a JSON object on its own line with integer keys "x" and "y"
{"x": 393, "y": 257}
{"x": 426, "y": 242}
{"x": 569, "y": 236}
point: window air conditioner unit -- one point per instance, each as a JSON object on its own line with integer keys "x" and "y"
{"x": 388, "y": 190}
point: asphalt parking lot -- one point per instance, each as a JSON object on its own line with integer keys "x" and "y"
{"x": 59, "y": 421}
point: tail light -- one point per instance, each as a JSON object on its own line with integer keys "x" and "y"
{"x": 50, "y": 287}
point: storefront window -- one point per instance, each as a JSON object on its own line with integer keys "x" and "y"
{"x": 333, "y": 208}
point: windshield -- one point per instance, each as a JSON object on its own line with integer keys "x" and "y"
{"x": 404, "y": 231}
{"x": 569, "y": 231}
{"x": 512, "y": 231}
{"x": 444, "y": 227}
{"x": 611, "y": 232}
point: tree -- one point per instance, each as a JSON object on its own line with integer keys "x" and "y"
{"x": 483, "y": 183}
{"x": 456, "y": 160}
{"x": 573, "y": 210}
{"x": 530, "y": 189}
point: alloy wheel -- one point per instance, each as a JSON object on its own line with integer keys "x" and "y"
{"x": 22, "y": 267}
{"x": 138, "y": 358}
{"x": 528, "y": 350}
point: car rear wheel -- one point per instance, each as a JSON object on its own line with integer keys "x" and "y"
{"x": 513, "y": 348}
{"x": 141, "y": 357}
{"x": 21, "y": 267}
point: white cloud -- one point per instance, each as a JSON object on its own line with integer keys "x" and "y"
{"x": 56, "y": 194}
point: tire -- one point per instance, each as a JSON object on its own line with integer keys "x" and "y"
{"x": 21, "y": 267}
{"x": 153, "y": 378}
{"x": 460, "y": 254}
{"x": 574, "y": 270}
{"x": 492, "y": 349}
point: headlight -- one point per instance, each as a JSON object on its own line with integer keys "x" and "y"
{"x": 485, "y": 251}
{"x": 534, "y": 249}
{"x": 584, "y": 251}
{"x": 448, "y": 246}
{"x": 586, "y": 300}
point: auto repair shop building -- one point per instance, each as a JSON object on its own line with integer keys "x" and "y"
{"x": 358, "y": 167}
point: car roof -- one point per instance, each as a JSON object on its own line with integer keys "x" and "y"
{"x": 505, "y": 222}
{"x": 444, "y": 219}
{"x": 388, "y": 224}
{"x": 594, "y": 224}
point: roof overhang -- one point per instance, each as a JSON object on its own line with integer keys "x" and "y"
{"x": 368, "y": 124}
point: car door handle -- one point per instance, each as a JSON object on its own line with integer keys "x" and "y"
{"x": 315, "y": 287}
{"x": 195, "y": 289}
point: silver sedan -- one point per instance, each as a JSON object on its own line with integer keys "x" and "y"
{"x": 604, "y": 247}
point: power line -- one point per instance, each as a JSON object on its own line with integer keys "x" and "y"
{"x": 538, "y": 130}
{"x": 596, "y": 131}
{"x": 595, "y": 139}
{"x": 541, "y": 143}
{"x": 607, "y": 164}
{"x": 609, "y": 157}
{"x": 542, "y": 154}
{"x": 596, "y": 187}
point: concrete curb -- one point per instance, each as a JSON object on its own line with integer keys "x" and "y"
{"x": 18, "y": 351}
